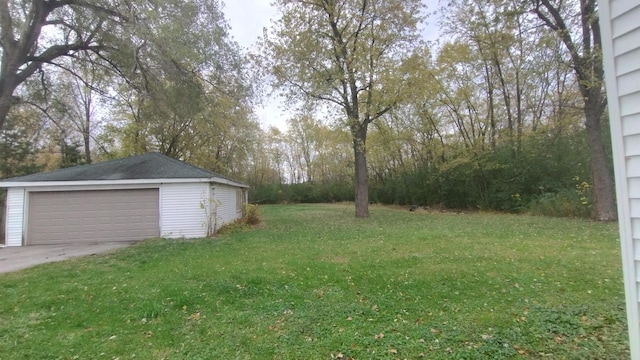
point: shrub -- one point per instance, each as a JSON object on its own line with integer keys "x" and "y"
{"x": 251, "y": 215}
{"x": 565, "y": 203}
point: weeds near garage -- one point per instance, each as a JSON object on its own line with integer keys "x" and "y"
{"x": 210, "y": 207}
{"x": 251, "y": 217}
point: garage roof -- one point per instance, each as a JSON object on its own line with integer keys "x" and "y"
{"x": 147, "y": 166}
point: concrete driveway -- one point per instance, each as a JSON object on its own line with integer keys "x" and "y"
{"x": 21, "y": 257}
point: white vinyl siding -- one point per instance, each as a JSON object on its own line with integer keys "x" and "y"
{"x": 182, "y": 213}
{"x": 14, "y": 217}
{"x": 620, "y": 23}
{"x": 225, "y": 197}
{"x": 617, "y": 7}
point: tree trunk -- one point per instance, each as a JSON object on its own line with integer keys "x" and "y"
{"x": 361, "y": 181}
{"x": 603, "y": 186}
{"x": 87, "y": 99}
{"x": 87, "y": 143}
{"x": 5, "y": 106}
{"x": 586, "y": 61}
{"x": 7, "y": 100}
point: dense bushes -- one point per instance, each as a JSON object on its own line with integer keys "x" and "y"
{"x": 546, "y": 175}
{"x": 543, "y": 177}
{"x": 301, "y": 193}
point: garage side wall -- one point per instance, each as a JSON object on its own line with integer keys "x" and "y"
{"x": 225, "y": 197}
{"x": 182, "y": 212}
{"x": 15, "y": 217}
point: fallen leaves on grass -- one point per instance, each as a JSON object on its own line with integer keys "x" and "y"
{"x": 520, "y": 350}
{"x": 340, "y": 356}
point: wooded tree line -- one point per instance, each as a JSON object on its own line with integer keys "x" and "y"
{"x": 505, "y": 112}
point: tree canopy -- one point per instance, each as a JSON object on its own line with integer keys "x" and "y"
{"x": 352, "y": 54}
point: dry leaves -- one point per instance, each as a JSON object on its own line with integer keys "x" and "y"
{"x": 520, "y": 350}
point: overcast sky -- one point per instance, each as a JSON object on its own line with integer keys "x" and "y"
{"x": 248, "y": 18}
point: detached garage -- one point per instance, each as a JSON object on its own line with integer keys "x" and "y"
{"x": 128, "y": 199}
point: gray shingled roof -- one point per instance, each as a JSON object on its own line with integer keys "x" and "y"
{"x": 146, "y": 166}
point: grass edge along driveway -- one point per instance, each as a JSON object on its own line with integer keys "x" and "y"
{"x": 314, "y": 282}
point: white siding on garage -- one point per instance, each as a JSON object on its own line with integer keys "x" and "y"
{"x": 181, "y": 211}
{"x": 14, "y": 217}
{"x": 225, "y": 197}
{"x": 620, "y": 23}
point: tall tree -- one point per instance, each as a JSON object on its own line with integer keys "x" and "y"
{"x": 37, "y": 32}
{"x": 185, "y": 92}
{"x": 350, "y": 54}
{"x": 584, "y": 45}
{"x": 303, "y": 132}
{"x": 80, "y": 102}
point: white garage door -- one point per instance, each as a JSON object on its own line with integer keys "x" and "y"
{"x": 58, "y": 217}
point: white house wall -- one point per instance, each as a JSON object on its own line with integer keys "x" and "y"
{"x": 225, "y": 197}
{"x": 14, "y": 217}
{"x": 182, "y": 210}
{"x": 620, "y": 24}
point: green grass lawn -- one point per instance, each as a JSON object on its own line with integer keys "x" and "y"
{"x": 313, "y": 282}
